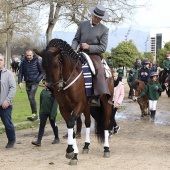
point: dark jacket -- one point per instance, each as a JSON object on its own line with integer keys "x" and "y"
{"x": 30, "y": 70}
{"x": 144, "y": 75}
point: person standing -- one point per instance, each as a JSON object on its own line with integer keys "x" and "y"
{"x": 31, "y": 70}
{"x": 48, "y": 109}
{"x": 120, "y": 72}
{"x": 118, "y": 97}
{"x": 92, "y": 37}
{"x": 130, "y": 79}
{"x": 7, "y": 93}
{"x": 153, "y": 90}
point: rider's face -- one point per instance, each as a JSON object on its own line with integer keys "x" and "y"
{"x": 95, "y": 20}
{"x": 155, "y": 78}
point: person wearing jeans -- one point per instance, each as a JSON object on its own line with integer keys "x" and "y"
{"x": 7, "y": 92}
{"x": 31, "y": 70}
{"x": 31, "y": 89}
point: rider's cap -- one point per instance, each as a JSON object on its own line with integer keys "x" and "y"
{"x": 145, "y": 61}
{"x": 153, "y": 74}
{"x": 99, "y": 11}
{"x": 168, "y": 56}
{"x": 131, "y": 71}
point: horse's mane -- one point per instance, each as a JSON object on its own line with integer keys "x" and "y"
{"x": 136, "y": 82}
{"x": 66, "y": 49}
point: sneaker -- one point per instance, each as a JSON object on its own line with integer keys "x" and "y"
{"x": 56, "y": 141}
{"x": 10, "y": 144}
{"x": 110, "y": 134}
{"x": 116, "y": 129}
{"x": 33, "y": 117}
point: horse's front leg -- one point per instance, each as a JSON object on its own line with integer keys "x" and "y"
{"x": 72, "y": 149}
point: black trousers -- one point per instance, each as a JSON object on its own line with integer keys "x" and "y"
{"x": 112, "y": 118}
{"x": 43, "y": 120}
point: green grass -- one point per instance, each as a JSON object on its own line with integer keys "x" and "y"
{"x": 22, "y": 109}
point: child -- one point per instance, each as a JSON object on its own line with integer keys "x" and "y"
{"x": 153, "y": 90}
{"x": 120, "y": 72}
{"x": 117, "y": 101}
{"x": 48, "y": 109}
{"x": 130, "y": 79}
{"x": 144, "y": 72}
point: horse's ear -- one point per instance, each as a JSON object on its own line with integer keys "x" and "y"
{"x": 38, "y": 52}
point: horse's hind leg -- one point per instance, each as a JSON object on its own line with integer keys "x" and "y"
{"x": 87, "y": 142}
{"x": 106, "y": 144}
{"x": 87, "y": 123}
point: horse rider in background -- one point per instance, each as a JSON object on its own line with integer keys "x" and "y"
{"x": 166, "y": 66}
{"x": 144, "y": 72}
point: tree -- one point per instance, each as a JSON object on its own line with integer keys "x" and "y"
{"x": 149, "y": 56}
{"x": 73, "y": 11}
{"x": 124, "y": 54}
{"x": 16, "y": 17}
{"x": 162, "y": 54}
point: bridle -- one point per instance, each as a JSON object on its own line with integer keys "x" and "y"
{"x": 63, "y": 85}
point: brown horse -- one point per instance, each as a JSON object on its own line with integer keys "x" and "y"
{"x": 63, "y": 68}
{"x": 143, "y": 102}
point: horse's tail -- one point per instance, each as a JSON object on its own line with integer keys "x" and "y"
{"x": 99, "y": 116}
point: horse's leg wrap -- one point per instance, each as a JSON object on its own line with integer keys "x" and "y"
{"x": 106, "y": 138}
{"x": 87, "y": 142}
{"x": 75, "y": 146}
{"x": 106, "y": 144}
{"x": 70, "y": 150}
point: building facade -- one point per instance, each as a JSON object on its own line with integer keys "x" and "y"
{"x": 158, "y": 38}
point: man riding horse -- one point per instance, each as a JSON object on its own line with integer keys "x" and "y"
{"x": 93, "y": 38}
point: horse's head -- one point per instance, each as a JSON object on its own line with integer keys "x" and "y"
{"x": 138, "y": 86}
{"x": 48, "y": 57}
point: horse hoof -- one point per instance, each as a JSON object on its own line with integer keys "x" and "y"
{"x": 85, "y": 151}
{"x": 69, "y": 155}
{"x": 106, "y": 155}
{"x": 73, "y": 162}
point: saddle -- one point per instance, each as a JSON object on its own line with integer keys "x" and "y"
{"x": 92, "y": 68}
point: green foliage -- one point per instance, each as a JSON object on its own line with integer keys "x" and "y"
{"x": 149, "y": 56}
{"x": 106, "y": 55}
{"x": 162, "y": 54}
{"x": 124, "y": 54}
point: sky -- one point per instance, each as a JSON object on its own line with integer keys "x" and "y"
{"x": 156, "y": 16}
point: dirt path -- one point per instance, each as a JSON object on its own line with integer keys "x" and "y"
{"x": 140, "y": 145}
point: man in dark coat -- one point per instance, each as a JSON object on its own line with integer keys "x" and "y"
{"x": 31, "y": 70}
